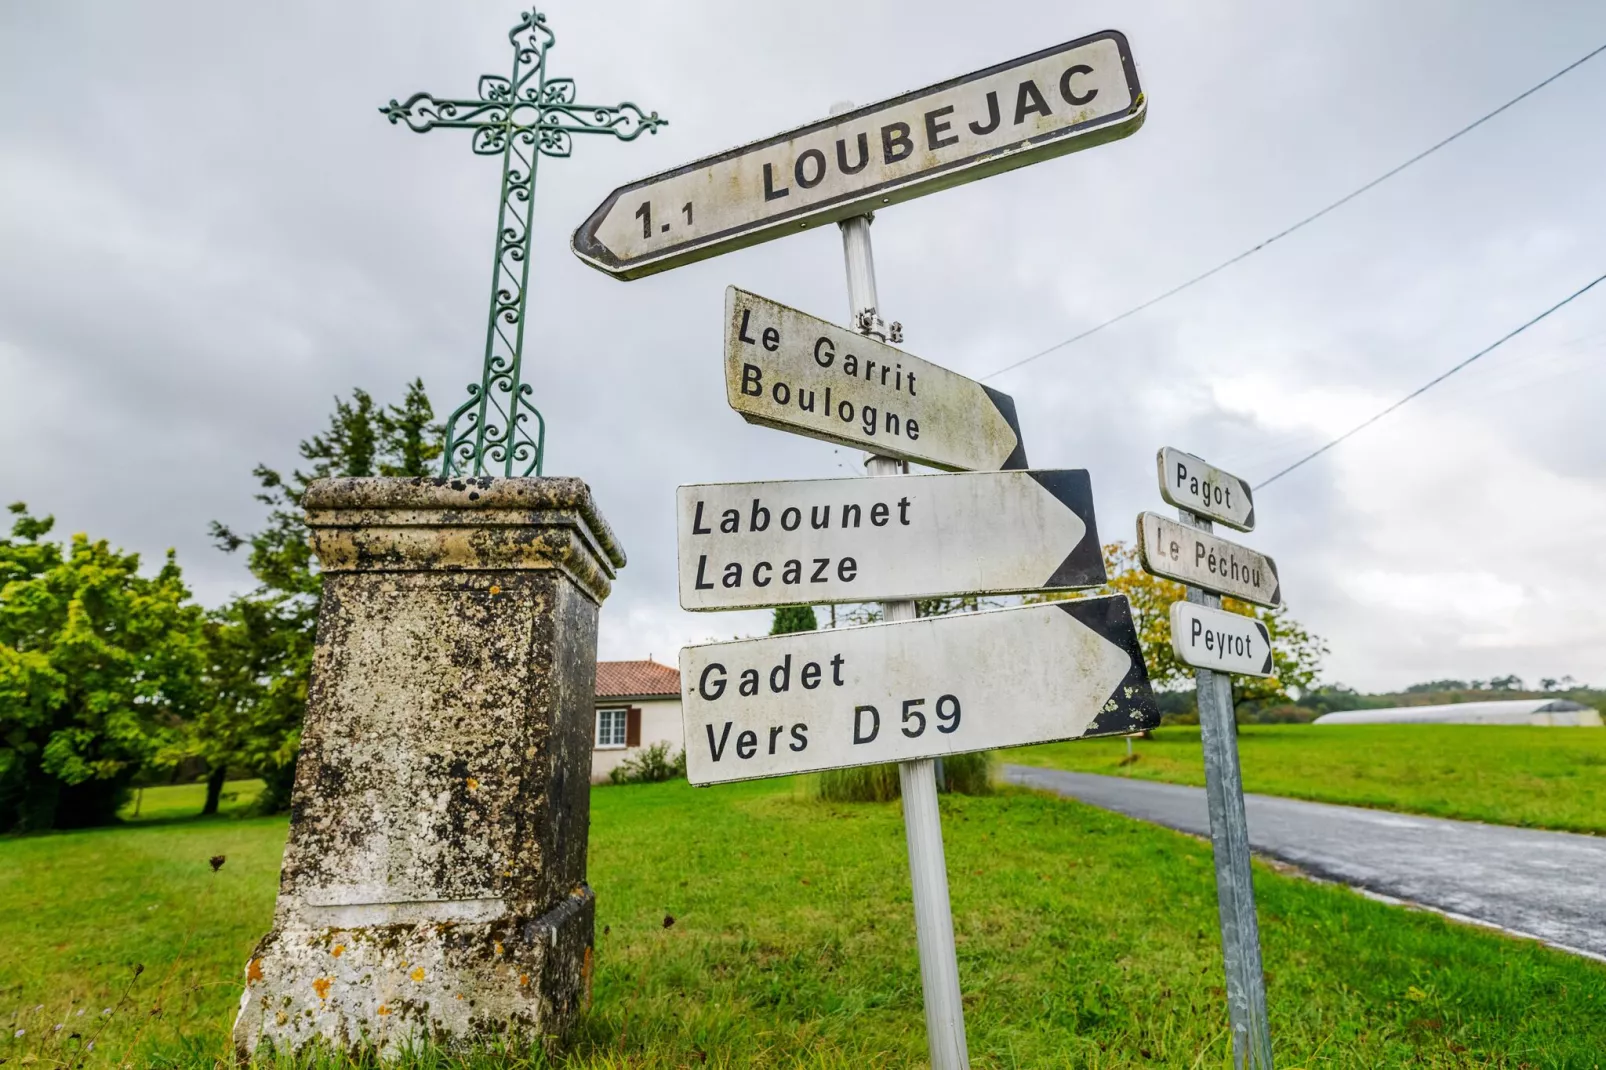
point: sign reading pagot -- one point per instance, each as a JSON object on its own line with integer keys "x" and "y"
{"x": 1192, "y": 484}
{"x": 745, "y": 545}
{"x": 1215, "y": 639}
{"x": 917, "y": 689}
{"x": 1194, "y": 557}
{"x": 1069, "y": 97}
{"x": 791, "y": 371}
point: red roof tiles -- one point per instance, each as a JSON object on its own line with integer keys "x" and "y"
{"x": 636, "y": 679}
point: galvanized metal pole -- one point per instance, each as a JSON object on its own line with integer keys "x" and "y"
{"x": 1229, "y": 837}
{"x": 922, "y": 821}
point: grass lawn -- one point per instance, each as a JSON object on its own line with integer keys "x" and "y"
{"x": 1505, "y": 774}
{"x": 1085, "y": 940}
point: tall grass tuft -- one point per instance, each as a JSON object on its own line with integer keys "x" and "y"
{"x": 967, "y": 774}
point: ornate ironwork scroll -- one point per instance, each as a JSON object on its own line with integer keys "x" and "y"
{"x": 498, "y": 430}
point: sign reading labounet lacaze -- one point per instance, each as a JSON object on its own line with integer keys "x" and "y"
{"x": 1069, "y": 97}
{"x": 788, "y": 370}
{"x": 1190, "y": 483}
{"x": 926, "y": 688}
{"x": 1191, "y": 556}
{"x": 1215, "y": 639}
{"x": 746, "y": 545}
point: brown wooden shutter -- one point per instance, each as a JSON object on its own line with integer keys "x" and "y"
{"x": 633, "y": 727}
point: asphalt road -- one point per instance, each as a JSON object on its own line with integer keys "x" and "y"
{"x": 1546, "y": 885}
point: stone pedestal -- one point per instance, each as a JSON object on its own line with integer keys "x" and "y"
{"x": 434, "y": 884}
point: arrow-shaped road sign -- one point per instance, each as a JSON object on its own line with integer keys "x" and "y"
{"x": 1069, "y": 97}
{"x": 1191, "y": 556}
{"x": 918, "y": 689}
{"x": 745, "y": 545}
{"x": 1189, "y": 483}
{"x": 1215, "y": 639}
{"x": 788, "y": 370}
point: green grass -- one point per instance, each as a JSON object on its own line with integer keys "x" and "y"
{"x": 1085, "y": 940}
{"x": 1551, "y": 778}
{"x": 180, "y": 802}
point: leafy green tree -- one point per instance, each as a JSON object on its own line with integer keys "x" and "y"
{"x": 259, "y": 646}
{"x": 790, "y": 619}
{"x": 100, "y": 668}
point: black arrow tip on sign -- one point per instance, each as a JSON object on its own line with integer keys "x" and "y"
{"x": 1006, "y": 408}
{"x": 1084, "y": 565}
{"x": 1130, "y": 707}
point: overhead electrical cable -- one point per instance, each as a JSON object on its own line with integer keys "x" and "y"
{"x": 1313, "y": 217}
{"x": 1425, "y": 387}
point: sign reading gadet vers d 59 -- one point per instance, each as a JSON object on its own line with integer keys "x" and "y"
{"x": 787, "y": 370}
{"x": 829, "y": 699}
{"x": 1069, "y": 97}
{"x": 1191, "y": 556}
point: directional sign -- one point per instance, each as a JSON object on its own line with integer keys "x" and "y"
{"x": 1069, "y": 97}
{"x": 744, "y": 545}
{"x": 1191, "y": 556}
{"x": 1189, "y": 483}
{"x": 787, "y": 370}
{"x": 1215, "y": 639}
{"x": 917, "y": 689}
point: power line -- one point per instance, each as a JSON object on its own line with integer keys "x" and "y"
{"x": 1386, "y": 175}
{"x": 1425, "y": 387}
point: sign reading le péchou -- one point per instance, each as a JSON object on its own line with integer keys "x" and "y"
{"x": 1062, "y": 99}
{"x": 916, "y": 689}
{"x": 1194, "y": 557}
{"x": 790, "y": 371}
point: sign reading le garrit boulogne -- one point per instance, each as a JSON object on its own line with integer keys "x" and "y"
{"x": 791, "y": 371}
{"x": 1215, "y": 639}
{"x": 1190, "y": 483}
{"x": 1069, "y": 97}
{"x": 917, "y": 689}
{"x": 1191, "y": 556}
{"x": 747, "y": 545}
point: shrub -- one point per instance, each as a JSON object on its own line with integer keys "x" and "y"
{"x": 653, "y": 765}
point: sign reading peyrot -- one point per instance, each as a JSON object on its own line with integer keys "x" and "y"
{"x": 794, "y": 372}
{"x": 1068, "y": 97}
{"x": 1215, "y": 639}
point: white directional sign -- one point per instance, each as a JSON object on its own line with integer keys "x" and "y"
{"x": 1215, "y": 639}
{"x": 1069, "y": 97}
{"x": 744, "y": 545}
{"x": 1191, "y": 556}
{"x": 918, "y": 689}
{"x": 788, "y": 370}
{"x": 1189, "y": 483}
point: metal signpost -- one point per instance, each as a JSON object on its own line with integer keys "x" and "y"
{"x": 1062, "y": 99}
{"x": 747, "y": 545}
{"x": 812, "y": 700}
{"x": 520, "y": 118}
{"x": 1218, "y": 644}
{"x": 787, "y": 370}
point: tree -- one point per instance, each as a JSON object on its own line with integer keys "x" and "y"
{"x": 790, "y": 619}
{"x": 1296, "y": 653}
{"x": 100, "y": 667}
{"x": 259, "y": 646}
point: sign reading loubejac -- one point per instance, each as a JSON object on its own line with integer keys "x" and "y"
{"x": 1069, "y": 97}
{"x": 925, "y": 688}
{"x": 1215, "y": 639}
{"x": 1191, "y": 556}
{"x": 1189, "y": 483}
{"x": 812, "y": 541}
{"x": 790, "y": 371}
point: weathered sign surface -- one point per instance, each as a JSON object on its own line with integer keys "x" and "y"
{"x": 917, "y": 689}
{"x": 1191, "y": 556}
{"x": 1069, "y": 97}
{"x": 788, "y": 370}
{"x": 1215, "y": 639}
{"x": 744, "y": 545}
{"x": 1190, "y": 483}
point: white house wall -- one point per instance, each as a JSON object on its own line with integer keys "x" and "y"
{"x": 660, "y": 723}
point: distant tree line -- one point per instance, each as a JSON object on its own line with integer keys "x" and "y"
{"x": 110, "y": 678}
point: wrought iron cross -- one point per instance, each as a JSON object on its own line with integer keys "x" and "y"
{"x": 520, "y": 118}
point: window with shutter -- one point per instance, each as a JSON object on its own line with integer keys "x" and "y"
{"x": 633, "y": 727}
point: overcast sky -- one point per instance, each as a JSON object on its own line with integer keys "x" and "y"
{"x": 207, "y": 231}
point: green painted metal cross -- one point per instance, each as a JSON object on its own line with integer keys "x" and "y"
{"x": 520, "y": 118}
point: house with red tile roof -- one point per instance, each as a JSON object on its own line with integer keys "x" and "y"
{"x": 638, "y": 704}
